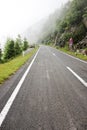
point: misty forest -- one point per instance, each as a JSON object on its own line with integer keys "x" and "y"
{"x": 43, "y": 65}
{"x": 68, "y": 22}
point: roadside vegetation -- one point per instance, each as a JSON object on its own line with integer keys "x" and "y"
{"x": 70, "y": 23}
{"x": 75, "y": 54}
{"x": 13, "y": 65}
{"x": 14, "y": 55}
{"x": 14, "y": 48}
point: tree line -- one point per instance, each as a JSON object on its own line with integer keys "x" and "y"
{"x": 13, "y": 48}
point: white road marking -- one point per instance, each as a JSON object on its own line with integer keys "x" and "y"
{"x": 15, "y": 92}
{"x": 48, "y": 77}
{"x": 72, "y": 57}
{"x": 77, "y": 76}
{"x": 54, "y": 54}
{"x": 51, "y": 52}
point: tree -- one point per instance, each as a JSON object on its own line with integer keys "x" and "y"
{"x": 17, "y": 48}
{"x": 25, "y": 44}
{"x": 79, "y": 33}
{"x": 9, "y": 50}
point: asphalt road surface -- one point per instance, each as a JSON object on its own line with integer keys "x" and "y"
{"x": 50, "y": 95}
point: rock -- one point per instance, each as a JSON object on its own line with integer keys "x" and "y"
{"x": 82, "y": 44}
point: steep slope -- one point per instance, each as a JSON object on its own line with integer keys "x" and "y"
{"x": 72, "y": 22}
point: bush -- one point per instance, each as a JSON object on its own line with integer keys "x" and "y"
{"x": 25, "y": 44}
{"x": 79, "y": 33}
{"x": 66, "y": 36}
{"x": 9, "y": 50}
{"x": 17, "y": 48}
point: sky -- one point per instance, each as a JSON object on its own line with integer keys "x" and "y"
{"x": 18, "y": 15}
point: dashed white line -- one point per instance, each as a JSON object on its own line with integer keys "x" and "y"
{"x": 77, "y": 76}
{"x": 72, "y": 57}
{"x": 14, "y": 94}
{"x": 48, "y": 77}
{"x": 54, "y": 54}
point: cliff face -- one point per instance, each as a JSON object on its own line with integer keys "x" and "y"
{"x": 82, "y": 44}
{"x": 72, "y": 22}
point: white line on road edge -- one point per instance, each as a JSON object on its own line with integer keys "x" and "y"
{"x": 15, "y": 92}
{"x": 72, "y": 57}
{"x": 78, "y": 77}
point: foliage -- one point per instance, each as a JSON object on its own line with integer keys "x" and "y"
{"x": 14, "y": 48}
{"x": 17, "y": 48}
{"x": 66, "y": 36}
{"x": 13, "y": 65}
{"x": 62, "y": 26}
{"x": 79, "y": 33}
{"x": 25, "y": 44}
{"x": 74, "y": 18}
{"x": 9, "y": 51}
{"x": 85, "y": 13}
{"x": 71, "y": 16}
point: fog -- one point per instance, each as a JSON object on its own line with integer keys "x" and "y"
{"x": 18, "y": 16}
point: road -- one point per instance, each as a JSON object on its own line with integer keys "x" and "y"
{"x": 52, "y": 95}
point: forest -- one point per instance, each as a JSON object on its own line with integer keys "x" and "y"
{"x": 70, "y": 21}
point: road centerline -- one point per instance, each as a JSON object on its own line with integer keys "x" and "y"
{"x": 48, "y": 77}
{"x": 77, "y": 76}
{"x": 9, "y": 103}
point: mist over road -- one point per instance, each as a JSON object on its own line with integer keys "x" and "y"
{"x": 53, "y": 95}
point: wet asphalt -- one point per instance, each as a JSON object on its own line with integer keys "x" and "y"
{"x": 51, "y": 97}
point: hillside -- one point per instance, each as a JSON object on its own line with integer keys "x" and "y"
{"x": 71, "y": 22}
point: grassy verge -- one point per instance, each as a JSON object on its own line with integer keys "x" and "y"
{"x": 65, "y": 49}
{"x": 12, "y": 66}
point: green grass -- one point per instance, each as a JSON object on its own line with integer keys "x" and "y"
{"x": 80, "y": 56}
{"x": 66, "y": 50}
{"x": 12, "y": 66}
